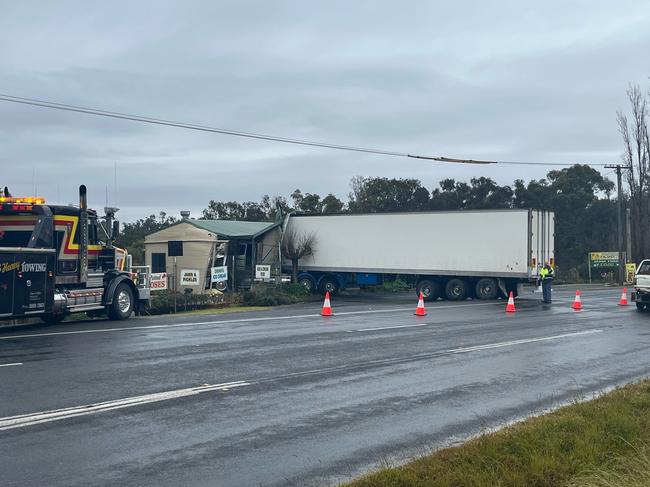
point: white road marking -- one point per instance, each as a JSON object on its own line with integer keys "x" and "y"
{"x": 388, "y": 327}
{"x": 11, "y": 365}
{"x": 30, "y": 419}
{"x": 523, "y": 341}
{"x": 234, "y": 321}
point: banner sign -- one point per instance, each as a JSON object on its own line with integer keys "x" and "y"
{"x": 190, "y": 277}
{"x": 219, "y": 274}
{"x": 158, "y": 281}
{"x": 263, "y": 272}
{"x": 603, "y": 259}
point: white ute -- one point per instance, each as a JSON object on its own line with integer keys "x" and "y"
{"x": 641, "y": 294}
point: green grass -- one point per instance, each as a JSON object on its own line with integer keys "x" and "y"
{"x": 218, "y": 311}
{"x": 594, "y": 444}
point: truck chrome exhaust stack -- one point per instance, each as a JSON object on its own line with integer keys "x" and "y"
{"x": 83, "y": 234}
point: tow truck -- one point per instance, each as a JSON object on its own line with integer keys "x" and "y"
{"x": 56, "y": 260}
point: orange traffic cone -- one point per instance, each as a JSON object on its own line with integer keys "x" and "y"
{"x": 327, "y": 307}
{"x": 577, "y": 302}
{"x": 420, "y": 311}
{"x": 510, "y": 307}
{"x": 623, "y": 301}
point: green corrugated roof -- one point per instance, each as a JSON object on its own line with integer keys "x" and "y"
{"x": 232, "y": 228}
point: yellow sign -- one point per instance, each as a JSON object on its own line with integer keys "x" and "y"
{"x": 630, "y": 270}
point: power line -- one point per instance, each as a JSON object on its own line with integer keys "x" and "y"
{"x": 253, "y": 135}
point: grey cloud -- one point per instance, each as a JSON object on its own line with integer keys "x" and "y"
{"x": 497, "y": 80}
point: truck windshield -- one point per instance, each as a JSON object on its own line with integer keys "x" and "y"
{"x": 34, "y": 229}
{"x": 14, "y": 238}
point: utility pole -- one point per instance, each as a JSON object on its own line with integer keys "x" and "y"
{"x": 619, "y": 220}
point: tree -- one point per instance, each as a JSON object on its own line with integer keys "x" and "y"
{"x": 636, "y": 155}
{"x": 132, "y": 235}
{"x": 331, "y": 204}
{"x": 295, "y": 247}
{"x": 380, "y": 195}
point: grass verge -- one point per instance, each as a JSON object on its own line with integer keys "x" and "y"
{"x": 218, "y": 311}
{"x": 594, "y": 444}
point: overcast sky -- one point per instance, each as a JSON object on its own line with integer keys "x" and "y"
{"x": 494, "y": 80}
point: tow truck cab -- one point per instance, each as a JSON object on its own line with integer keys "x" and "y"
{"x": 56, "y": 260}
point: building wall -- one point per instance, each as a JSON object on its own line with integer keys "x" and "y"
{"x": 197, "y": 249}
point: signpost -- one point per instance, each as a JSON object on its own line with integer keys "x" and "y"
{"x": 603, "y": 263}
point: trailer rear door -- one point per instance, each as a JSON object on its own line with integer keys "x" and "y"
{"x": 542, "y": 238}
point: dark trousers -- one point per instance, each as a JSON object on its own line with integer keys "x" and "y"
{"x": 546, "y": 290}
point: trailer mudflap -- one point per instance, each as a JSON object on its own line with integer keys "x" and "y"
{"x": 26, "y": 281}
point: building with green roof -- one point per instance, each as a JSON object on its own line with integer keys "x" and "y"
{"x": 192, "y": 247}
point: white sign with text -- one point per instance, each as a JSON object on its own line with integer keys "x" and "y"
{"x": 190, "y": 277}
{"x": 263, "y": 272}
{"x": 219, "y": 274}
{"x": 158, "y": 281}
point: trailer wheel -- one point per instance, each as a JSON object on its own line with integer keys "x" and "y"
{"x": 308, "y": 283}
{"x": 222, "y": 286}
{"x": 430, "y": 289}
{"x": 456, "y": 290}
{"x": 329, "y": 284}
{"x": 122, "y": 305}
{"x": 640, "y": 306}
{"x": 486, "y": 288}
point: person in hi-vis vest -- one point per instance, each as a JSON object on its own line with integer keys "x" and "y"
{"x": 546, "y": 275}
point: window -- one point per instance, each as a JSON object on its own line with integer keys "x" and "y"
{"x": 159, "y": 262}
{"x": 644, "y": 268}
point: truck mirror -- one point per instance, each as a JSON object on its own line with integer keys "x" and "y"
{"x": 116, "y": 229}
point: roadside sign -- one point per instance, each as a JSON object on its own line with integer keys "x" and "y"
{"x": 219, "y": 274}
{"x": 630, "y": 270}
{"x": 263, "y": 272}
{"x": 603, "y": 259}
{"x": 158, "y": 281}
{"x": 190, "y": 277}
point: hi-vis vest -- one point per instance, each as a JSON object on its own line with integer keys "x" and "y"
{"x": 546, "y": 273}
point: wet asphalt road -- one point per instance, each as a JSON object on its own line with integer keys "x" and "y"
{"x": 293, "y": 398}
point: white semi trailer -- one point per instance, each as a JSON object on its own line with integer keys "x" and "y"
{"x": 482, "y": 254}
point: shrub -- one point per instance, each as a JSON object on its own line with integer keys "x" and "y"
{"x": 163, "y": 301}
{"x": 263, "y": 294}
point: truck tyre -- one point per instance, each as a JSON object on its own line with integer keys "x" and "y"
{"x": 308, "y": 283}
{"x": 640, "y": 306}
{"x": 456, "y": 290}
{"x": 329, "y": 284}
{"x": 486, "y": 288}
{"x": 430, "y": 289}
{"x": 52, "y": 318}
{"x": 123, "y": 302}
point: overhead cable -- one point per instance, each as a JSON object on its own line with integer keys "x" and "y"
{"x": 252, "y": 135}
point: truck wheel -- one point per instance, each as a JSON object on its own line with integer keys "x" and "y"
{"x": 486, "y": 288}
{"x": 456, "y": 290}
{"x": 640, "y": 306}
{"x": 52, "y": 319}
{"x": 430, "y": 289}
{"x": 329, "y": 284}
{"x": 308, "y": 283}
{"x": 122, "y": 305}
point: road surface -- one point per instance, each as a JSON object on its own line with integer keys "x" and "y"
{"x": 287, "y": 397}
